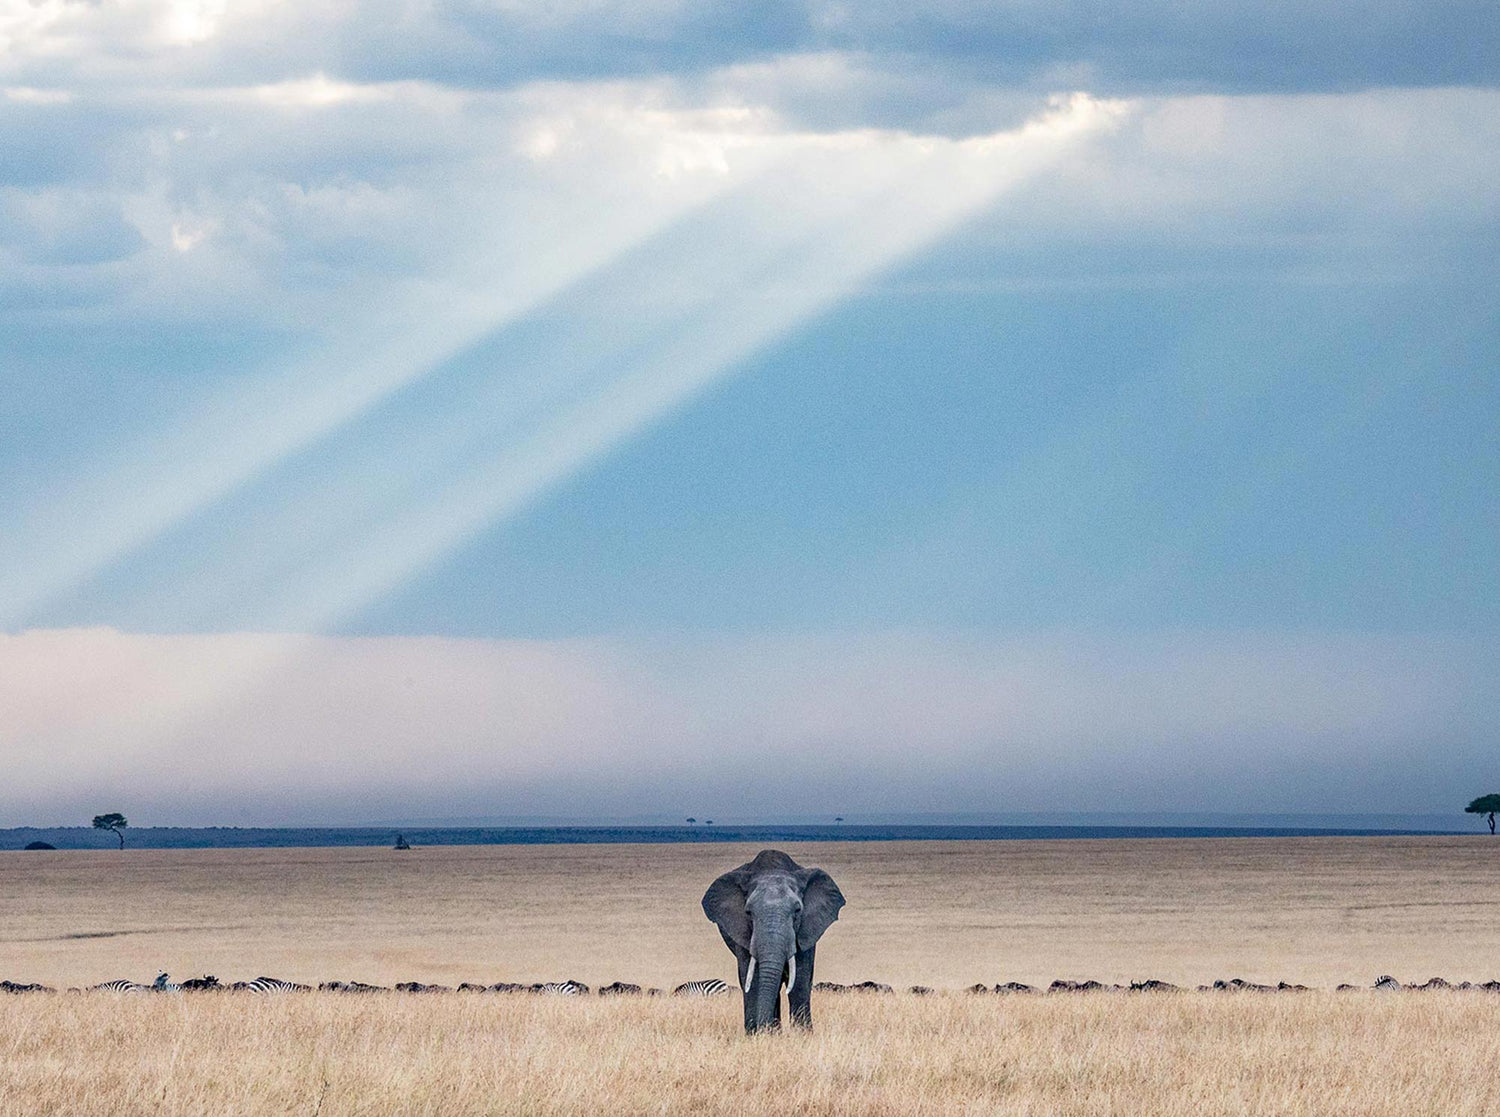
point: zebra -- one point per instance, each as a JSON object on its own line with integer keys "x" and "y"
{"x": 709, "y": 988}
{"x": 121, "y": 986}
{"x": 562, "y": 988}
{"x": 619, "y": 989}
{"x": 162, "y": 985}
{"x": 270, "y": 985}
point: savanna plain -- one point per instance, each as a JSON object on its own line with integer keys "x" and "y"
{"x": 1314, "y": 911}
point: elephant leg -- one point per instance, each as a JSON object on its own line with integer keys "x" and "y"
{"x": 799, "y": 996}
{"x": 743, "y": 958}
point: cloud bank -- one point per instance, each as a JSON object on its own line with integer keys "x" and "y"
{"x": 360, "y": 729}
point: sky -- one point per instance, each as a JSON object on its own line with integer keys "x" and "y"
{"x": 468, "y": 408}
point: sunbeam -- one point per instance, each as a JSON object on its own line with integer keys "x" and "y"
{"x": 600, "y": 362}
{"x": 843, "y": 219}
{"x": 777, "y": 257}
{"x": 118, "y": 504}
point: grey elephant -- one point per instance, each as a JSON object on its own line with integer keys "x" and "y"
{"x": 771, "y": 913}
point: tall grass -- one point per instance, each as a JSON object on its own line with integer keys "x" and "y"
{"x": 1176, "y": 1054}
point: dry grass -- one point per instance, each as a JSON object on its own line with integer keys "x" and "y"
{"x": 1317, "y": 911}
{"x": 947, "y": 914}
{"x": 1194, "y": 1053}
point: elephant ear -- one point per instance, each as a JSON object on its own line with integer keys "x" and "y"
{"x": 724, "y": 903}
{"x": 821, "y": 900}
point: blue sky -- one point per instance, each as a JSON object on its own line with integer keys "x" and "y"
{"x": 478, "y": 408}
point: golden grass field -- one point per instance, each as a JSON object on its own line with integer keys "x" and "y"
{"x": 1317, "y": 911}
{"x": 1312, "y": 910}
{"x": 1191, "y": 1054}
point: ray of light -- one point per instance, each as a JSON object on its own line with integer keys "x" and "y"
{"x": 780, "y": 260}
{"x": 612, "y": 355}
{"x": 119, "y": 503}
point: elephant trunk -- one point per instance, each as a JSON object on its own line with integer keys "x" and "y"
{"x": 771, "y": 952}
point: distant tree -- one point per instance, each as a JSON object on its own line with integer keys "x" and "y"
{"x": 691, "y": 821}
{"x": 112, "y": 821}
{"x": 708, "y": 822}
{"x": 840, "y": 818}
{"x": 1486, "y": 805}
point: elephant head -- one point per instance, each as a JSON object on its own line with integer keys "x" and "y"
{"x": 771, "y": 913}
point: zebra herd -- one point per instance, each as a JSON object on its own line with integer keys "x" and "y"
{"x": 163, "y": 984}
{"x": 708, "y": 987}
{"x": 160, "y": 985}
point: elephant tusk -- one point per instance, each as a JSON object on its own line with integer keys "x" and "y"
{"x": 750, "y": 976}
{"x": 791, "y": 970}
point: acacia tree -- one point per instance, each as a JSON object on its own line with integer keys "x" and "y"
{"x": 1486, "y": 805}
{"x": 113, "y": 821}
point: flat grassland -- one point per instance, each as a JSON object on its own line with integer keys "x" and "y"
{"x": 1316, "y": 911}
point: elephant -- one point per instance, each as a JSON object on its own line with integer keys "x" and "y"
{"x": 771, "y": 913}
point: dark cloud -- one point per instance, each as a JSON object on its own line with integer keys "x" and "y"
{"x": 1120, "y": 48}
{"x": 1131, "y": 48}
{"x": 1116, "y": 48}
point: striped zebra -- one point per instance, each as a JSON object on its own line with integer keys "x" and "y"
{"x": 270, "y": 985}
{"x": 121, "y": 986}
{"x": 562, "y": 988}
{"x": 710, "y": 988}
{"x": 162, "y": 985}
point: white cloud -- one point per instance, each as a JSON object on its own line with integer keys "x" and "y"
{"x": 433, "y": 726}
{"x": 186, "y": 236}
{"x": 26, "y": 95}
{"x": 192, "y": 21}
{"x": 319, "y": 92}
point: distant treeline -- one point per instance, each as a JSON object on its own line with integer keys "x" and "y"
{"x": 246, "y": 837}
